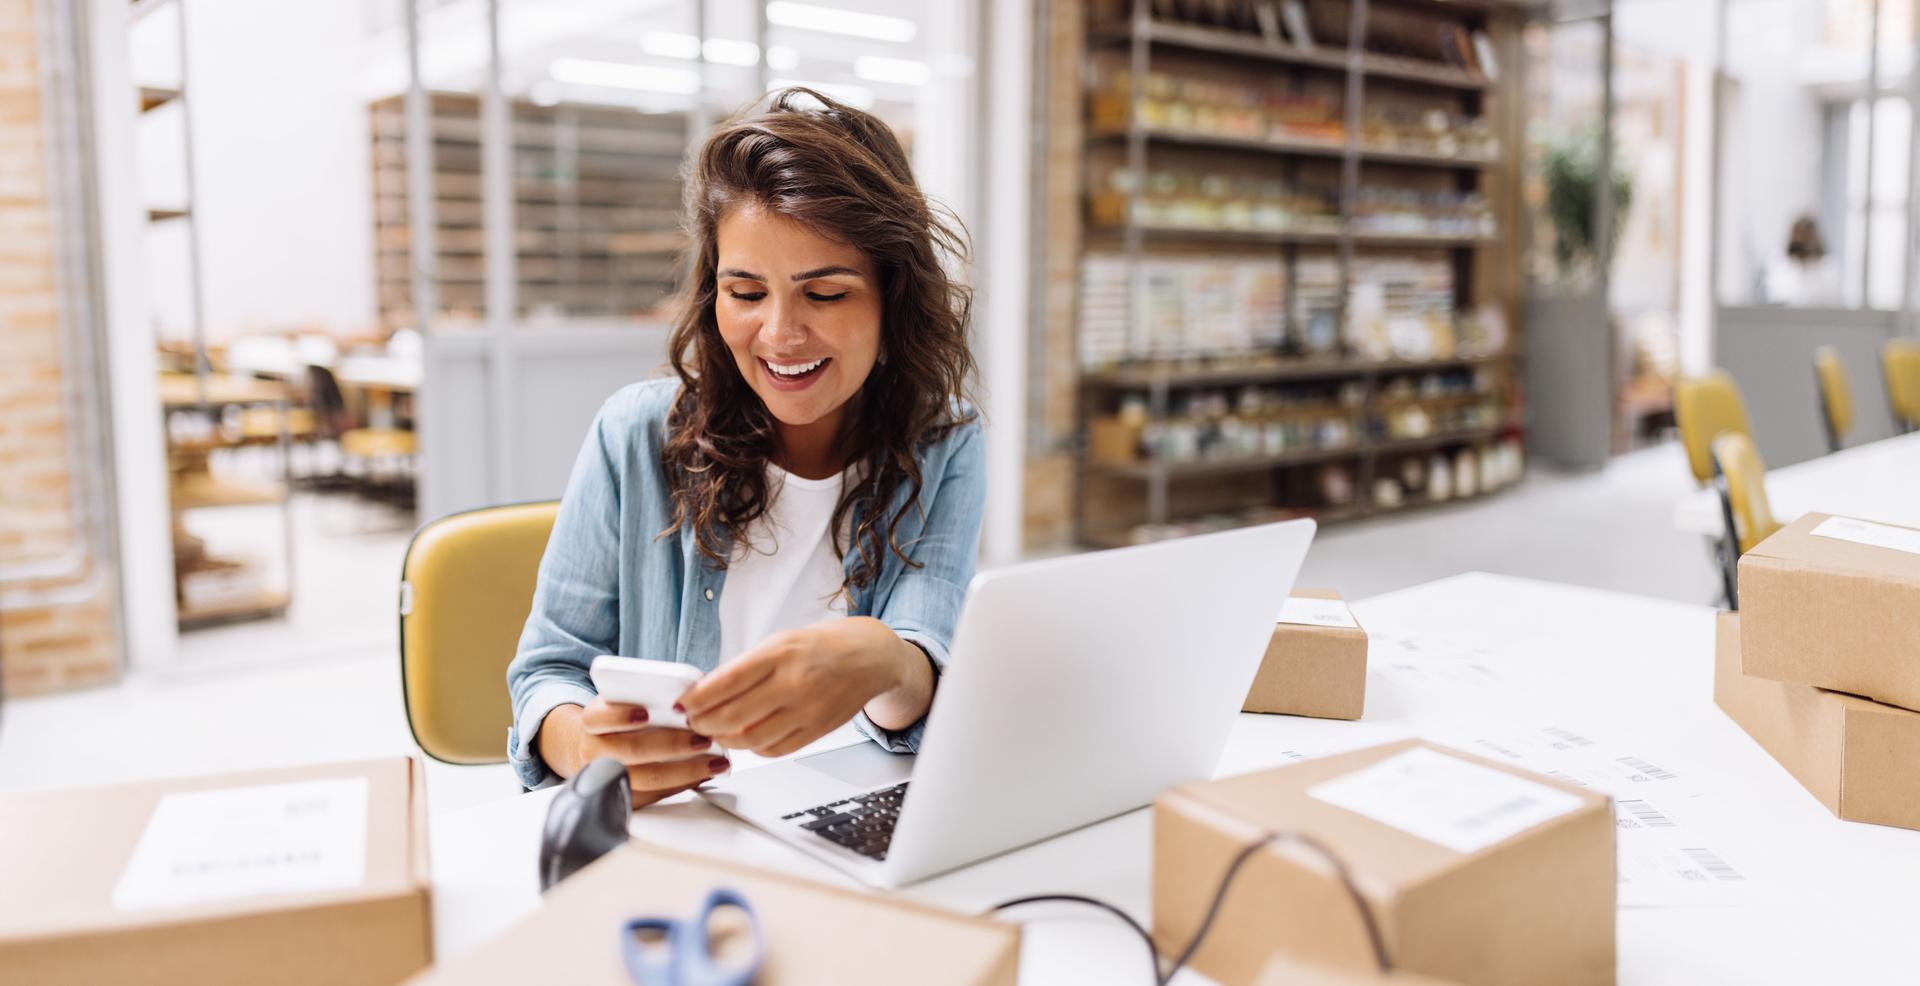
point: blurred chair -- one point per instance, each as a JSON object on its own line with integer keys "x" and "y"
{"x": 466, "y": 587}
{"x": 1836, "y": 396}
{"x": 1704, "y": 408}
{"x": 1900, "y": 360}
{"x": 1743, "y": 503}
{"x": 372, "y": 448}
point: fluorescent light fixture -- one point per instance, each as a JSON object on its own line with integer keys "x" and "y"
{"x": 782, "y": 58}
{"x": 668, "y": 44}
{"x": 899, "y": 71}
{"x": 833, "y": 20}
{"x": 686, "y": 47}
{"x": 726, "y": 51}
{"x": 618, "y": 75}
{"x": 858, "y": 97}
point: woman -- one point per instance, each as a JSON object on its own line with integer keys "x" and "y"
{"x": 798, "y": 512}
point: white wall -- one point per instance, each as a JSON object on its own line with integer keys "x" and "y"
{"x": 282, "y": 159}
{"x": 1770, "y": 156}
{"x": 139, "y": 466}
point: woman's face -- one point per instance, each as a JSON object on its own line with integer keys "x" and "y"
{"x": 800, "y": 312}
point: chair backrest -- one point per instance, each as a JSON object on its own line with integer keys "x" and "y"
{"x": 1745, "y": 474}
{"x": 329, "y": 405}
{"x": 1704, "y": 408}
{"x": 1900, "y": 359}
{"x": 466, "y": 588}
{"x": 1836, "y": 395}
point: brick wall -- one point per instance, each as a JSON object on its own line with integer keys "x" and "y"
{"x": 54, "y": 632}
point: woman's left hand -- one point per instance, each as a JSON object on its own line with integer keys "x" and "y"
{"x": 799, "y": 685}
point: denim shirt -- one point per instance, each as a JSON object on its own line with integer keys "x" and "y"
{"x": 609, "y": 584}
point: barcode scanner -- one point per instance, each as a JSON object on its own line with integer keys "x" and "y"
{"x": 586, "y": 820}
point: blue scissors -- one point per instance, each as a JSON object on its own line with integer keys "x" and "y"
{"x": 682, "y": 954}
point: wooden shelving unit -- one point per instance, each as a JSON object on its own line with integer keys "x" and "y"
{"x": 195, "y": 403}
{"x": 1252, "y": 173}
{"x": 193, "y": 487}
{"x": 596, "y": 208}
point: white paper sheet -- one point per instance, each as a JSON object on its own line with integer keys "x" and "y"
{"x": 1427, "y": 661}
{"x": 1317, "y": 612}
{"x": 1670, "y": 854}
{"x": 221, "y": 844}
{"x": 1870, "y": 533}
{"x": 1445, "y": 800}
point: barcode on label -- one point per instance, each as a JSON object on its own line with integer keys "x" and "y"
{"x": 1561, "y": 775}
{"x": 1640, "y": 766}
{"x": 1714, "y": 865}
{"x": 1503, "y": 751}
{"x": 1646, "y": 814}
{"x": 1568, "y": 736}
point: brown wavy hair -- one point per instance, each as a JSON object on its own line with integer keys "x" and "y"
{"x": 841, "y": 173}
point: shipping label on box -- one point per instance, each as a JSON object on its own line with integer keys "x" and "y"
{"x": 1473, "y": 872}
{"x": 1834, "y": 602}
{"x": 309, "y": 875}
{"x": 1316, "y": 660}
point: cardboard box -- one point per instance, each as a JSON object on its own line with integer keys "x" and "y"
{"x": 1835, "y": 603}
{"x": 1521, "y": 891}
{"x": 161, "y": 882}
{"x": 1316, "y": 663}
{"x": 1856, "y": 756}
{"x": 1287, "y": 971}
{"x": 814, "y": 934}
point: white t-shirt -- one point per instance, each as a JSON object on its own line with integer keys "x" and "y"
{"x": 788, "y": 575}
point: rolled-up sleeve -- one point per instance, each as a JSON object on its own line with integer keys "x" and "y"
{"x": 575, "y": 615}
{"x": 923, "y": 606}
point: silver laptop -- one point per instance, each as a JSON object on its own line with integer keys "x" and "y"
{"x": 1078, "y": 689}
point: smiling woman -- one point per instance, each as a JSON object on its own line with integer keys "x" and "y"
{"x": 797, "y": 511}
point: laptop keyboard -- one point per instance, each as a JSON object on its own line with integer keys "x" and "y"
{"x": 863, "y": 824}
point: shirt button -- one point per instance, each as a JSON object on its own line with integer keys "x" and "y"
{"x": 709, "y": 595}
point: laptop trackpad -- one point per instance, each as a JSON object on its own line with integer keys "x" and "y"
{"x": 863, "y": 765}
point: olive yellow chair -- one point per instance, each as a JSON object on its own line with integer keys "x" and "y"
{"x": 1836, "y": 396}
{"x": 1743, "y": 503}
{"x": 1900, "y": 359}
{"x": 1705, "y": 408}
{"x": 466, "y": 588}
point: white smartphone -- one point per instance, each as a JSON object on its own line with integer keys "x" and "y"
{"x": 653, "y": 684}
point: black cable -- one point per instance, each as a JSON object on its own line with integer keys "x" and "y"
{"x": 1247, "y": 852}
{"x": 1153, "y": 950}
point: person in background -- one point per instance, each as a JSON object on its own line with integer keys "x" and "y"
{"x": 796, "y": 511}
{"x": 1805, "y": 277}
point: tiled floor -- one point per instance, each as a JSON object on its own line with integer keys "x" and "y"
{"x": 322, "y": 684}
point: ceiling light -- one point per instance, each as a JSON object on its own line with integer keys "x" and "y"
{"x": 833, "y": 20}
{"x": 667, "y": 44}
{"x": 686, "y": 47}
{"x": 726, "y": 51}
{"x": 618, "y": 75}
{"x": 899, "y": 71}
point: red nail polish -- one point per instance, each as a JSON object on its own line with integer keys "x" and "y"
{"x": 718, "y": 765}
{"x": 701, "y": 742}
{"x": 637, "y": 715}
{"x": 677, "y": 707}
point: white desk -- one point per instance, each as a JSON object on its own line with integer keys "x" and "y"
{"x": 1876, "y": 481}
{"x": 1835, "y": 901}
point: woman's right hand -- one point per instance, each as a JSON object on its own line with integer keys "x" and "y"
{"x": 661, "y": 762}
